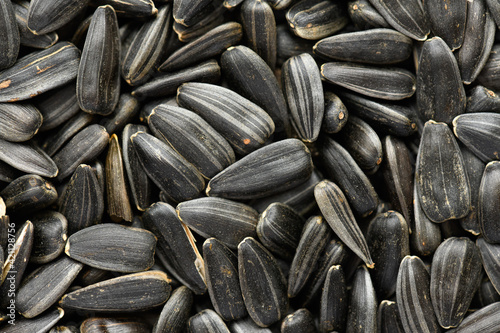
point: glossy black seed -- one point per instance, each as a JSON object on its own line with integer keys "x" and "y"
{"x": 50, "y": 235}
{"x": 29, "y": 193}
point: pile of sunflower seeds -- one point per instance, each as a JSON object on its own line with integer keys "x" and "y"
{"x": 242, "y": 166}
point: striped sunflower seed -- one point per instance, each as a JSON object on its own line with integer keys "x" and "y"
{"x": 489, "y": 75}
{"x": 246, "y": 325}
{"x": 50, "y": 234}
{"x": 365, "y": 16}
{"x": 388, "y": 319}
{"x": 28, "y": 158}
{"x": 44, "y": 17}
{"x": 490, "y": 255}
{"x": 206, "y": 23}
{"x": 425, "y": 235}
{"x": 488, "y": 202}
{"x": 206, "y": 321}
{"x": 175, "y": 314}
{"x": 58, "y": 106}
{"x": 333, "y": 306}
{"x": 101, "y": 325}
{"x": 28, "y": 38}
{"x": 113, "y": 247}
{"x": 9, "y": 40}
{"x": 300, "y": 321}
{"x": 19, "y": 122}
{"x": 127, "y": 108}
{"x": 129, "y": 8}
{"x": 448, "y": 20}
{"x": 482, "y": 99}
{"x": 485, "y": 320}
{"x": 362, "y": 313}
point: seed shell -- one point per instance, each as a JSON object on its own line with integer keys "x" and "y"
{"x": 58, "y": 106}
{"x": 221, "y": 272}
{"x": 388, "y": 318}
{"x": 300, "y": 321}
{"x": 489, "y": 75}
{"x": 82, "y": 202}
{"x": 29, "y": 193}
{"x": 112, "y": 325}
{"x": 484, "y": 320}
{"x": 98, "y": 81}
{"x": 290, "y": 45}
{"x": 205, "y": 47}
{"x": 488, "y": 202}
{"x": 242, "y": 123}
{"x": 19, "y": 122}
{"x": 192, "y": 137}
{"x": 127, "y": 293}
{"x": 228, "y": 221}
{"x": 113, "y": 247}
{"x": 9, "y": 40}
{"x": 448, "y": 20}
{"x": 176, "y": 243}
{"x": 42, "y": 324}
{"x": 455, "y": 276}
{"x": 166, "y": 168}
{"x": 175, "y": 314}
{"x": 301, "y": 80}
{"x": 425, "y": 235}
{"x": 389, "y": 83}
{"x": 246, "y": 325}
{"x": 47, "y": 16}
{"x": 34, "y": 295}
{"x": 39, "y": 72}
{"x": 365, "y": 16}
{"x": 440, "y": 176}
{"x": 210, "y": 20}
{"x": 481, "y": 98}
{"x": 374, "y": 46}
{"x": 362, "y": 314}
{"x": 262, "y": 283}
{"x": 28, "y": 38}
{"x": 50, "y": 235}
{"x": 490, "y": 255}
{"x": 334, "y": 207}
{"x": 206, "y": 321}
{"x": 269, "y": 170}
{"x": 335, "y": 115}
{"x": 333, "y": 306}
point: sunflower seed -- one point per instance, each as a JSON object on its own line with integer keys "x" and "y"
{"x": 389, "y": 83}
{"x": 290, "y": 45}
{"x": 315, "y": 235}
{"x": 221, "y": 271}
{"x": 19, "y": 122}
{"x": 362, "y": 314}
{"x": 205, "y": 47}
{"x": 388, "y": 319}
{"x": 42, "y": 324}
{"x": 269, "y": 170}
{"x": 374, "y": 46}
{"x": 484, "y": 320}
{"x": 28, "y": 158}
{"x": 39, "y": 72}
{"x": 176, "y": 243}
{"x": 439, "y": 97}
{"x": 127, "y": 293}
{"x": 334, "y": 207}
{"x": 407, "y": 17}
{"x": 364, "y": 16}
{"x": 481, "y": 98}
{"x": 489, "y": 75}
{"x": 129, "y": 8}
{"x": 167, "y": 84}
{"x": 82, "y": 201}
{"x": 244, "y": 124}
{"x": 333, "y": 306}
{"x": 44, "y": 17}
{"x": 50, "y": 235}
{"x": 174, "y": 315}
{"x": 90, "y": 275}
{"x": 487, "y": 202}
{"x": 127, "y": 108}
{"x": 478, "y": 40}
{"x": 335, "y": 115}
{"x": 64, "y": 329}
{"x": 442, "y": 183}
{"x": 206, "y": 23}
{"x": 300, "y": 321}
{"x": 426, "y": 235}
{"x": 448, "y": 20}
{"x": 166, "y": 168}
{"x": 10, "y": 39}
{"x": 262, "y": 283}
{"x": 144, "y": 53}
{"x": 34, "y": 296}
{"x": 455, "y": 276}
{"x": 487, "y": 293}
{"x": 28, "y": 38}
{"x": 113, "y": 247}
{"x": 246, "y": 325}
{"x": 253, "y": 78}
{"x": 494, "y": 9}
{"x": 58, "y": 106}
{"x": 351, "y": 179}
{"x": 7, "y": 173}
{"x": 111, "y": 325}
{"x": 388, "y": 239}
{"x": 28, "y": 193}
{"x": 194, "y": 138}
{"x": 490, "y": 255}
{"x": 206, "y": 321}
{"x": 304, "y": 93}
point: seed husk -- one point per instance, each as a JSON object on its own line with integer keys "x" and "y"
{"x": 439, "y": 97}
{"x": 455, "y": 276}
{"x": 374, "y": 46}
{"x": 350, "y": 178}
{"x": 440, "y": 176}
{"x": 129, "y": 8}
{"x": 176, "y": 243}
{"x": 242, "y": 123}
{"x": 83, "y": 147}
{"x": 365, "y": 16}
{"x": 482, "y": 99}
{"x": 262, "y": 283}
{"x": 7, "y": 173}
{"x": 112, "y": 325}
{"x": 490, "y": 257}
{"x": 316, "y": 19}
{"x": 300, "y": 321}
{"x": 228, "y": 221}
{"x": 388, "y": 318}
{"x": 334, "y": 207}
{"x": 19, "y": 122}
{"x": 10, "y": 40}
{"x": 167, "y": 84}
{"x": 175, "y": 313}
{"x": 315, "y": 235}
{"x": 28, "y": 38}
{"x": 335, "y": 115}
{"x": 42, "y": 324}
{"x": 43, "y": 287}
{"x": 90, "y": 275}
{"x": 259, "y": 23}
{"x": 448, "y": 20}
{"x": 48, "y": 16}
{"x": 251, "y": 77}
{"x": 205, "y": 47}
{"x": 389, "y": 83}
{"x": 50, "y": 235}
{"x": 425, "y": 235}
{"x": 27, "y": 157}
{"x": 388, "y": 239}
{"x": 333, "y": 306}
{"x": 98, "y": 81}
{"x": 192, "y": 137}
{"x": 166, "y": 168}
{"x": 413, "y": 297}
{"x": 407, "y": 17}
{"x": 269, "y": 170}
{"x": 479, "y": 37}
{"x": 221, "y": 272}
{"x": 28, "y": 193}
{"x": 279, "y": 229}
{"x": 489, "y": 75}
{"x": 127, "y": 108}
{"x": 303, "y": 89}
{"x": 210, "y": 20}
{"x": 206, "y": 321}
{"x": 362, "y": 314}
{"x": 484, "y": 320}
{"x": 487, "y": 293}
{"x": 488, "y": 202}
{"x": 144, "y": 53}
{"x": 82, "y": 202}
{"x": 58, "y": 106}
{"x": 127, "y": 293}
{"x": 64, "y": 329}
{"x": 113, "y": 247}
{"x": 138, "y": 180}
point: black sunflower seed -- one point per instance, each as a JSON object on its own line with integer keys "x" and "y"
{"x": 58, "y": 106}
{"x": 50, "y": 234}
{"x": 300, "y": 321}
{"x": 333, "y": 306}
{"x": 362, "y": 314}
{"x": 9, "y": 40}
{"x": 175, "y": 313}
{"x": 29, "y": 192}
{"x": 488, "y": 202}
{"x": 129, "y": 8}
{"x": 19, "y": 122}
{"x": 480, "y": 99}
{"x": 101, "y": 325}
{"x": 448, "y": 20}
{"x": 40, "y": 324}
{"x": 28, "y": 38}
{"x": 206, "y": 321}
{"x": 44, "y": 17}
{"x": 388, "y": 318}
{"x": 364, "y": 16}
